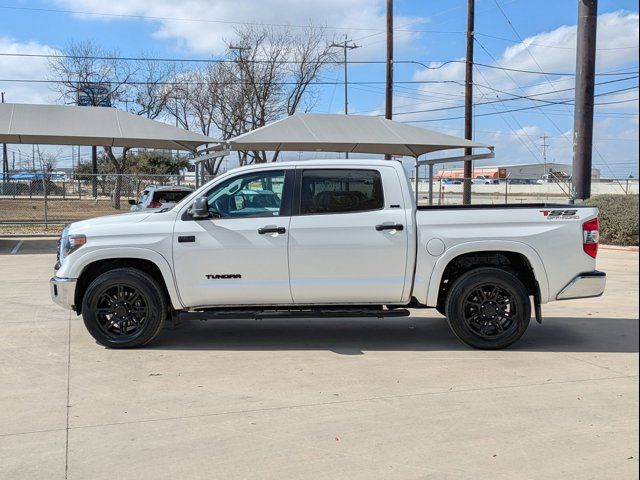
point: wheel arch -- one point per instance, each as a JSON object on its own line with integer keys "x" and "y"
{"x": 490, "y": 253}
{"x": 88, "y": 267}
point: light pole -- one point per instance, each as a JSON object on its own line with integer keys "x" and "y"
{"x": 345, "y": 46}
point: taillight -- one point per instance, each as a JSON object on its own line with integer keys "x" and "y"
{"x": 154, "y": 205}
{"x": 591, "y": 237}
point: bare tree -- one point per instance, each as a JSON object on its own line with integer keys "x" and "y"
{"x": 48, "y": 161}
{"x": 179, "y": 104}
{"x": 153, "y": 91}
{"x": 276, "y": 69}
{"x": 86, "y": 70}
{"x": 87, "y": 74}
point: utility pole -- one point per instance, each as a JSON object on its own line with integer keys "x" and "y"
{"x": 5, "y": 160}
{"x": 388, "y": 106}
{"x": 345, "y": 46}
{"x": 544, "y": 152}
{"x": 583, "y": 113}
{"x": 468, "y": 103}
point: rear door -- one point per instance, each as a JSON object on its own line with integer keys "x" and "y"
{"x": 348, "y": 237}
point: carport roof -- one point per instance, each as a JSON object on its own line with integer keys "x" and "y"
{"x": 346, "y": 133}
{"x": 101, "y": 126}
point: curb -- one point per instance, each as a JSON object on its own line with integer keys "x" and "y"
{"x": 619, "y": 248}
{"x": 26, "y": 236}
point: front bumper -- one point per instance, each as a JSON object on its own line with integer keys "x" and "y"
{"x": 63, "y": 291}
{"x": 585, "y": 285}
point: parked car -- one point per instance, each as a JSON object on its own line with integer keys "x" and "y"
{"x": 159, "y": 197}
{"x": 325, "y": 238}
{"x": 452, "y": 181}
{"x": 484, "y": 180}
{"x": 37, "y": 187}
{"x": 521, "y": 181}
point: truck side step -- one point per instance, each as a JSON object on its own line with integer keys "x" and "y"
{"x": 221, "y": 314}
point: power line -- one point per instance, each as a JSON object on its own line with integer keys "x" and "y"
{"x": 424, "y": 64}
{"x": 517, "y": 122}
{"x": 522, "y": 97}
{"x": 183, "y": 82}
{"x": 531, "y": 107}
{"x": 208, "y": 20}
{"x": 512, "y": 40}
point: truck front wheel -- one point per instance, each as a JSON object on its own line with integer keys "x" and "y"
{"x": 488, "y": 308}
{"x": 124, "y": 308}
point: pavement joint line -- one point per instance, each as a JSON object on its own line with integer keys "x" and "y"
{"x": 320, "y": 404}
{"x": 66, "y": 447}
{"x": 17, "y": 247}
{"x": 566, "y": 354}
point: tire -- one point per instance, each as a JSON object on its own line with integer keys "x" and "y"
{"x": 124, "y": 308}
{"x": 488, "y": 308}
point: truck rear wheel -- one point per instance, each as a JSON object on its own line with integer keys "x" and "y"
{"x": 124, "y": 308}
{"x": 488, "y": 308}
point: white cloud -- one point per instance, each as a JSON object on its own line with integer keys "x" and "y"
{"x": 34, "y": 68}
{"x": 354, "y": 17}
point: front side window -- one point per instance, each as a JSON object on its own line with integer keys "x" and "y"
{"x": 256, "y": 194}
{"x": 340, "y": 191}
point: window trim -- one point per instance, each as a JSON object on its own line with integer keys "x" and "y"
{"x": 297, "y": 195}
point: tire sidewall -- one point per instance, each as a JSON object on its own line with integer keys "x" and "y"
{"x": 148, "y": 288}
{"x": 465, "y": 285}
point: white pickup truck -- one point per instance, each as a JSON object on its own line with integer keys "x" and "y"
{"x": 325, "y": 238}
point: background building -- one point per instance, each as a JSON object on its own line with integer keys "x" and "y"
{"x": 530, "y": 171}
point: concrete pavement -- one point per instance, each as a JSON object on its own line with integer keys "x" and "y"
{"x": 325, "y": 398}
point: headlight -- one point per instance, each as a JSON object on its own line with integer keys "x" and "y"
{"x": 69, "y": 244}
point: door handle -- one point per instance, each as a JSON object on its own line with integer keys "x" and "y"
{"x": 390, "y": 226}
{"x": 264, "y": 230}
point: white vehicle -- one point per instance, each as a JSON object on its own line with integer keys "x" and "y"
{"x": 158, "y": 197}
{"x": 484, "y": 180}
{"x": 325, "y": 238}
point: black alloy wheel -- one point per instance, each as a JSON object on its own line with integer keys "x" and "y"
{"x": 124, "y": 308}
{"x": 488, "y": 308}
{"x": 121, "y": 311}
{"x": 489, "y": 311}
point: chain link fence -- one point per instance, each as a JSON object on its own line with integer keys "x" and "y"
{"x": 56, "y": 199}
{"x": 59, "y": 199}
{"x": 518, "y": 190}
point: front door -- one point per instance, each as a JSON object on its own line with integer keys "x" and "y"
{"x": 348, "y": 238}
{"x": 238, "y": 256}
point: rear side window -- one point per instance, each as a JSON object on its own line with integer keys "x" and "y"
{"x": 340, "y": 191}
{"x": 168, "y": 196}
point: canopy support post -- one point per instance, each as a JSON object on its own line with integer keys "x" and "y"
{"x": 417, "y": 180}
{"x": 431, "y": 184}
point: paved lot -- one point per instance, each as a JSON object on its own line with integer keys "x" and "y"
{"x": 395, "y": 398}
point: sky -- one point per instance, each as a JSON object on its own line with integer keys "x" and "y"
{"x": 535, "y": 38}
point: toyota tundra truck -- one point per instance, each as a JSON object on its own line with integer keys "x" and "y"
{"x": 325, "y": 238}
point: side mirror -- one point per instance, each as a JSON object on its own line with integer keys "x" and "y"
{"x": 132, "y": 202}
{"x": 200, "y": 208}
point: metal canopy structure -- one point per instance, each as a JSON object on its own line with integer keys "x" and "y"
{"x": 354, "y": 134}
{"x": 346, "y": 133}
{"x": 109, "y": 127}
